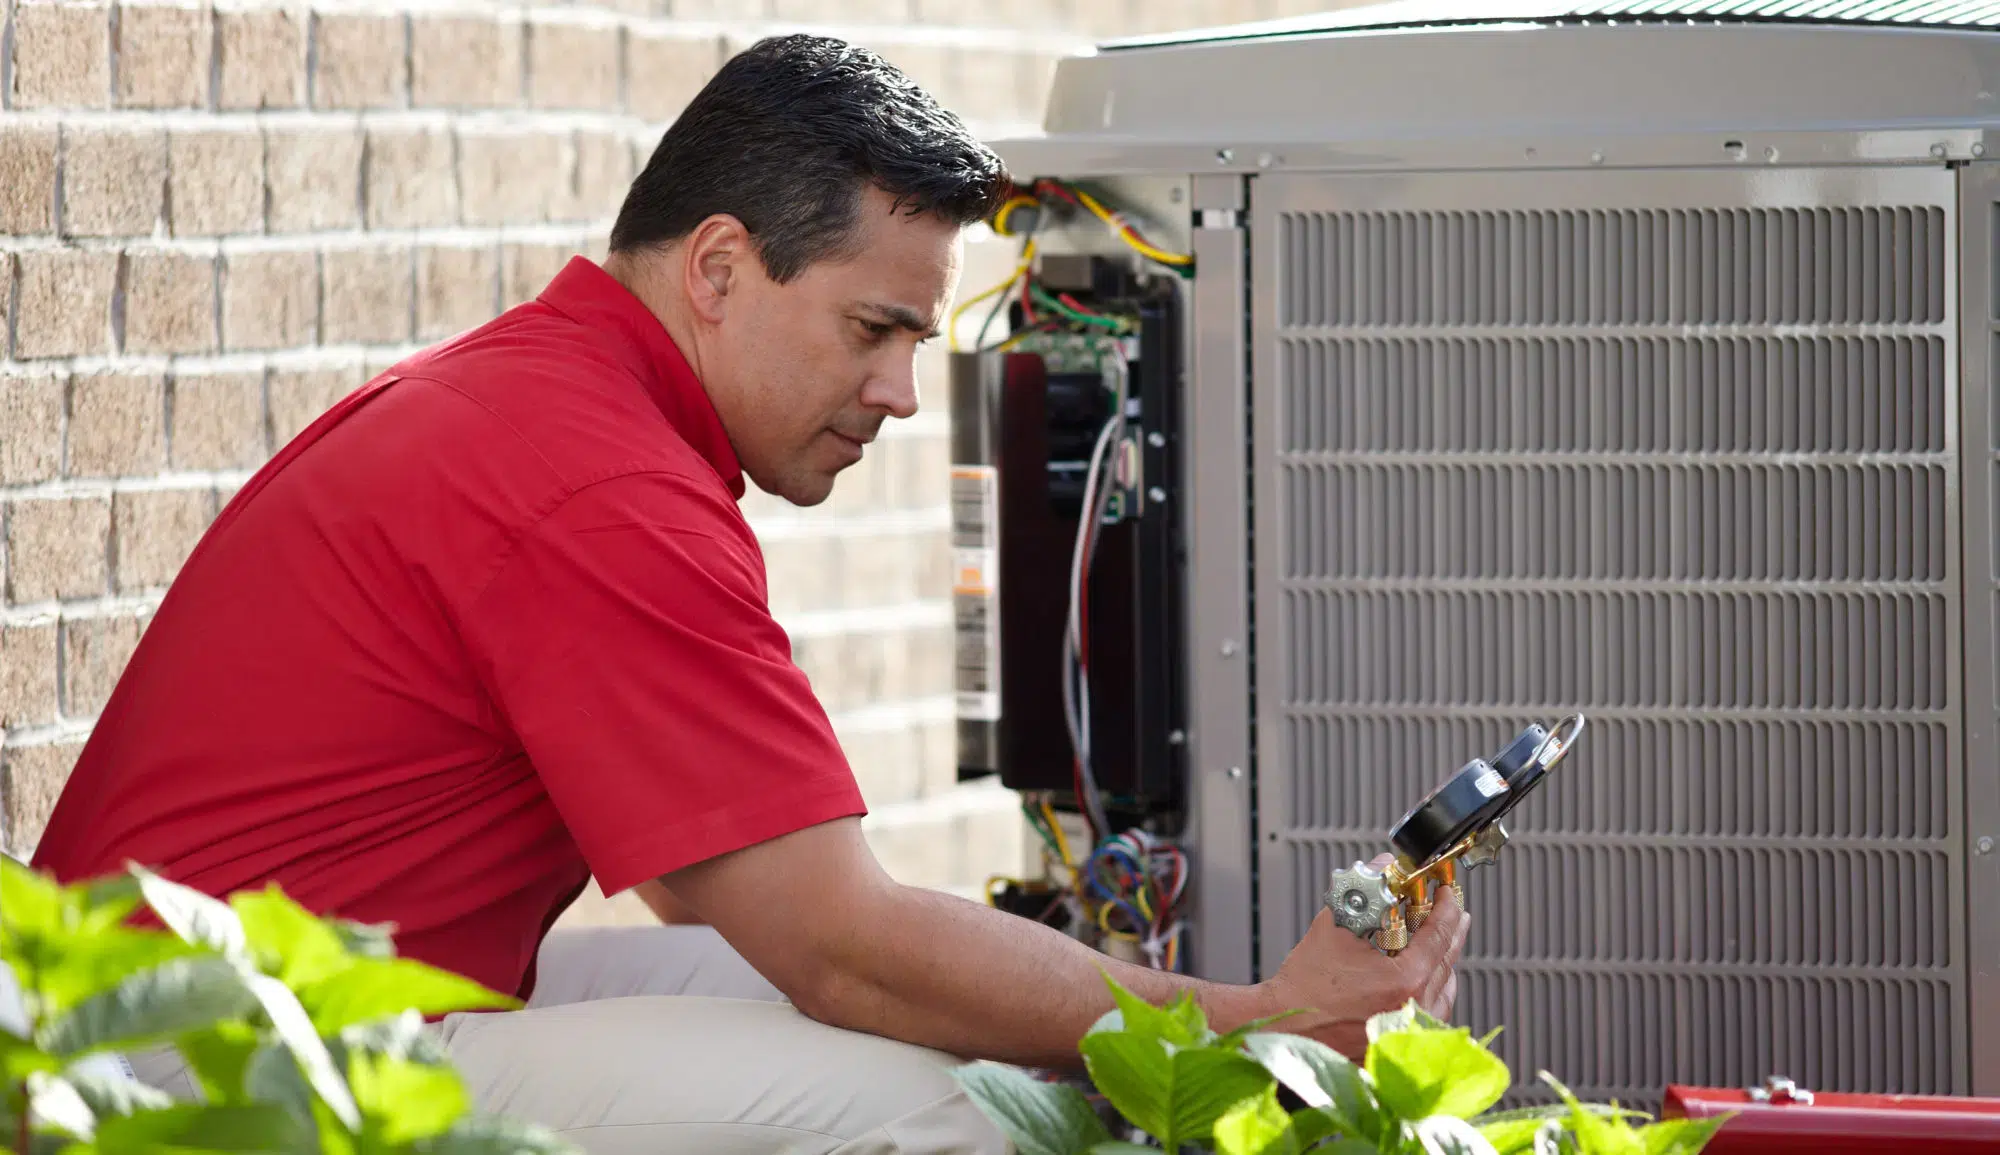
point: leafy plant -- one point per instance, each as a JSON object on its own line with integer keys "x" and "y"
{"x": 305, "y": 1034}
{"x": 1424, "y": 1088}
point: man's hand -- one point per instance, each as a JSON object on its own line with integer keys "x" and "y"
{"x": 1344, "y": 980}
{"x": 816, "y": 915}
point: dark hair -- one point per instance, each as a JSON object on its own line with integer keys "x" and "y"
{"x": 787, "y": 135}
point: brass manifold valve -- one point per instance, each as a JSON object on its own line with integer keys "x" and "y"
{"x": 1455, "y": 828}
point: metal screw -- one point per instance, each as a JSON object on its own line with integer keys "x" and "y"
{"x": 1176, "y": 737}
{"x": 1156, "y": 439}
{"x": 1224, "y": 155}
{"x": 1986, "y": 846}
{"x": 1978, "y": 149}
{"x": 1770, "y": 153}
{"x": 1228, "y": 647}
{"x": 1264, "y": 161}
{"x": 1157, "y": 494}
{"x": 1597, "y": 158}
{"x": 1937, "y": 150}
{"x": 1236, "y": 771}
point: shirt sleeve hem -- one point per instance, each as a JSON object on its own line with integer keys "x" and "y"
{"x": 715, "y": 833}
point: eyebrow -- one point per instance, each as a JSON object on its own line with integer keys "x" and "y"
{"x": 904, "y": 318}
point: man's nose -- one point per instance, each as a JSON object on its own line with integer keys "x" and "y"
{"x": 895, "y": 391}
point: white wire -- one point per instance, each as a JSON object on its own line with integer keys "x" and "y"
{"x": 1076, "y": 690}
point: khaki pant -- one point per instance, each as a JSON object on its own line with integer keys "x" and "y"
{"x": 662, "y": 1039}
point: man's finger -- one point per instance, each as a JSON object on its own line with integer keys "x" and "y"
{"x": 1440, "y": 940}
{"x": 1446, "y": 999}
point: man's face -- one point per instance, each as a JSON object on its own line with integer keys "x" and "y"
{"x": 803, "y": 374}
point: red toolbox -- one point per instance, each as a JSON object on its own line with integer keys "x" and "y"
{"x": 1780, "y": 1118}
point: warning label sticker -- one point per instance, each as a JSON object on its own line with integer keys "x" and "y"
{"x": 975, "y": 594}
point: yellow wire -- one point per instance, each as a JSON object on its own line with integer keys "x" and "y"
{"x": 1007, "y": 210}
{"x": 1104, "y": 924}
{"x": 1062, "y": 842}
{"x": 1127, "y": 233}
{"x": 1027, "y": 259}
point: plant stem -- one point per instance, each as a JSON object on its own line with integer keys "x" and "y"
{"x": 26, "y": 1106}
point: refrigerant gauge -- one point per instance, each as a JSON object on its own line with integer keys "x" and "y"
{"x": 1456, "y": 826}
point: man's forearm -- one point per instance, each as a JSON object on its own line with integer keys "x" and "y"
{"x": 980, "y": 983}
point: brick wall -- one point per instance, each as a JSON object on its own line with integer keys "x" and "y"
{"x": 200, "y": 206}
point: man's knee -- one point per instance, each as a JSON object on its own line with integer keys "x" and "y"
{"x": 715, "y": 1075}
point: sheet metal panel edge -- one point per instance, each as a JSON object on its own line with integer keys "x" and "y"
{"x": 1285, "y": 897}
{"x": 1219, "y": 762}
{"x": 1979, "y": 437}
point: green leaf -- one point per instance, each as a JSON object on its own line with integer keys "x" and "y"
{"x": 1235, "y": 1038}
{"x": 1256, "y": 1126}
{"x": 98, "y": 961}
{"x": 272, "y": 1077}
{"x": 1318, "y": 1075}
{"x": 288, "y": 940}
{"x": 1513, "y": 1136}
{"x": 108, "y": 900}
{"x": 1426, "y": 1071}
{"x": 1121, "y": 1147}
{"x": 1180, "y": 1022}
{"x": 1410, "y": 1017}
{"x": 42, "y": 1142}
{"x": 34, "y": 903}
{"x": 183, "y": 994}
{"x": 1449, "y": 1135}
{"x": 295, "y": 1030}
{"x": 1514, "y": 1132}
{"x": 217, "y": 1058}
{"x": 365, "y": 939}
{"x": 1680, "y": 1136}
{"x": 109, "y": 1096}
{"x": 54, "y": 1102}
{"x": 1039, "y": 1118}
{"x": 401, "y": 1037}
{"x": 487, "y": 1136}
{"x": 1173, "y": 1095}
{"x": 372, "y": 989}
{"x": 189, "y": 913}
{"x": 407, "y": 1101}
{"x": 1595, "y": 1133}
{"x": 193, "y": 1128}
{"x": 20, "y": 1058}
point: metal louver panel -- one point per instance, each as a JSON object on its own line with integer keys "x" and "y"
{"x": 1676, "y": 449}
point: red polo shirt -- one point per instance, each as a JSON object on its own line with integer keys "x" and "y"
{"x": 492, "y": 625}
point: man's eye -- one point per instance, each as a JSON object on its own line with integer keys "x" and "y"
{"x": 877, "y": 330}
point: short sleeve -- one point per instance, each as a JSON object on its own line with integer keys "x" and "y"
{"x": 628, "y": 641}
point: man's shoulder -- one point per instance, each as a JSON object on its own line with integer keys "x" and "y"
{"x": 551, "y": 399}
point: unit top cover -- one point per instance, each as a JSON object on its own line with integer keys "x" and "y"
{"x": 1467, "y": 13}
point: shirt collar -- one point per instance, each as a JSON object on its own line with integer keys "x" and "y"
{"x": 588, "y": 295}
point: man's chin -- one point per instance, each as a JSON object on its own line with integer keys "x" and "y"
{"x": 803, "y": 491}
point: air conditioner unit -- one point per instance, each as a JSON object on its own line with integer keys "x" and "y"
{"x": 1632, "y": 359}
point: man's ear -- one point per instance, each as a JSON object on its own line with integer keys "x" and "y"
{"x": 713, "y": 265}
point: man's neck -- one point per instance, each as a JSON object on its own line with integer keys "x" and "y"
{"x": 648, "y": 277}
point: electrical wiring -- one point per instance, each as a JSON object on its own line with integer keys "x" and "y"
{"x": 1143, "y": 877}
{"x": 1123, "y": 888}
{"x": 1076, "y": 664}
{"x": 1024, "y": 263}
{"x": 1119, "y": 225}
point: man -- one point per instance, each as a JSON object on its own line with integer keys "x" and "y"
{"x": 495, "y": 624}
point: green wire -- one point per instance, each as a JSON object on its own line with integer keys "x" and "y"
{"x": 1045, "y": 299}
{"x": 1035, "y": 820}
